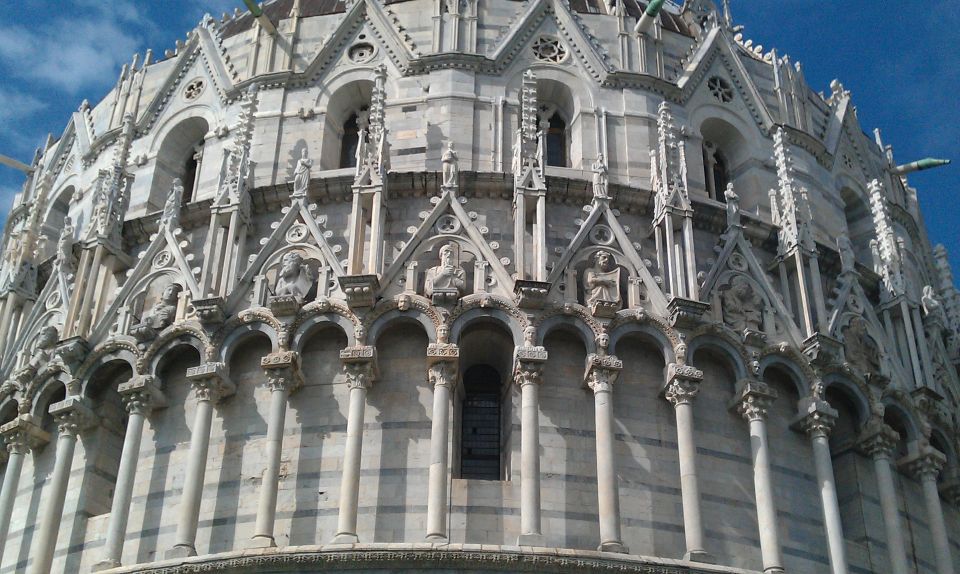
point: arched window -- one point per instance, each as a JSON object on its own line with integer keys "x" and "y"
{"x": 349, "y": 141}
{"x": 480, "y": 424}
{"x": 556, "y": 136}
{"x": 180, "y": 156}
{"x": 715, "y": 171}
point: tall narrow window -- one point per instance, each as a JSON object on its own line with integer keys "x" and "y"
{"x": 349, "y": 142}
{"x": 715, "y": 171}
{"x": 191, "y": 172}
{"x": 556, "y": 141}
{"x": 480, "y": 432}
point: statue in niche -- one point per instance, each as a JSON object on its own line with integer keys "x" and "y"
{"x": 733, "y": 206}
{"x": 65, "y": 246}
{"x": 162, "y": 314}
{"x": 848, "y": 260}
{"x": 301, "y": 175}
{"x": 861, "y": 350}
{"x": 451, "y": 167}
{"x": 100, "y": 216}
{"x": 43, "y": 348}
{"x": 931, "y": 306}
{"x": 601, "y": 282}
{"x": 170, "y": 218}
{"x": 445, "y": 283}
{"x": 600, "y": 177}
{"x": 742, "y": 306}
{"x": 295, "y": 278}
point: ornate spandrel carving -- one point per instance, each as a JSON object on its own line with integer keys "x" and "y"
{"x": 861, "y": 350}
{"x": 160, "y": 316}
{"x": 450, "y": 168}
{"x": 753, "y": 399}
{"x": 601, "y": 285}
{"x": 742, "y": 306}
{"x": 446, "y": 282}
{"x": 683, "y": 384}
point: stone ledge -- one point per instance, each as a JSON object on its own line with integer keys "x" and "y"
{"x": 426, "y": 557}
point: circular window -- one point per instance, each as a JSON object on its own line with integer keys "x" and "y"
{"x": 194, "y": 89}
{"x": 601, "y": 235}
{"x": 721, "y": 89}
{"x": 448, "y": 224}
{"x": 361, "y": 52}
{"x": 547, "y": 49}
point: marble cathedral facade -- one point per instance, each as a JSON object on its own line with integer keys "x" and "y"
{"x": 499, "y": 286}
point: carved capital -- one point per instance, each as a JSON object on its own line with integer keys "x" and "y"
{"x": 20, "y": 435}
{"x": 877, "y": 439}
{"x": 442, "y": 374}
{"x": 926, "y": 465}
{"x": 141, "y": 394}
{"x": 752, "y": 400}
{"x": 602, "y": 372}
{"x": 683, "y": 384}
{"x": 210, "y": 382}
{"x": 73, "y": 416}
{"x": 282, "y": 370}
{"x": 360, "y": 365}
{"x": 817, "y": 418}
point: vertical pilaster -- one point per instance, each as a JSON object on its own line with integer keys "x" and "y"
{"x": 528, "y": 375}
{"x": 817, "y": 421}
{"x": 925, "y": 467}
{"x": 752, "y": 400}
{"x": 140, "y": 396}
{"x": 19, "y": 436}
{"x": 283, "y": 377}
{"x": 601, "y": 373}
{"x": 683, "y": 385}
{"x": 210, "y": 385}
{"x": 879, "y": 441}
{"x": 72, "y": 416}
{"x": 442, "y": 361}
{"x": 359, "y": 364}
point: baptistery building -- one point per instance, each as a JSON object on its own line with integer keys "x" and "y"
{"x": 475, "y": 286}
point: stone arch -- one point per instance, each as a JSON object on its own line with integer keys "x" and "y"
{"x": 723, "y": 346}
{"x": 572, "y": 324}
{"x": 58, "y": 208}
{"x": 38, "y": 396}
{"x": 800, "y": 376}
{"x": 241, "y": 333}
{"x": 651, "y": 331}
{"x": 175, "y": 336}
{"x": 725, "y": 149}
{"x": 181, "y": 140}
{"x": 856, "y": 392}
{"x": 320, "y": 322}
{"x": 344, "y": 97}
{"x": 121, "y": 348}
{"x": 464, "y": 321}
{"x": 901, "y": 416}
{"x": 390, "y": 319}
{"x": 9, "y": 410}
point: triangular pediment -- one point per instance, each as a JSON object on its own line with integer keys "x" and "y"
{"x": 601, "y": 230}
{"x": 717, "y": 51}
{"x": 447, "y": 222}
{"x": 299, "y": 230}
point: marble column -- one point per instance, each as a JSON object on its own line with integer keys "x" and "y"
{"x": 751, "y": 402}
{"x": 442, "y": 375}
{"x": 283, "y": 377}
{"x": 925, "y": 467}
{"x": 683, "y": 385}
{"x": 528, "y": 375}
{"x": 816, "y": 420}
{"x": 73, "y": 416}
{"x": 359, "y": 364}
{"x": 140, "y": 396}
{"x": 19, "y": 436}
{"x": 879, "y": 441}
{"x": 601, "y": 373}
{"x": 210, "y": 385}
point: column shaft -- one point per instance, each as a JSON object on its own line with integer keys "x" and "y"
{"x": 267, "y": 508}
{"x": 607, "y": 489}
{"x": 766, "y": 508}
{"x": 891, "y": 515}
{"x": 193, "y": 481}
{"x": 52, "y": 515}
{"x": 938, "y": 529}
{"x": 530, "y": 459}
{"x": 437, "y": 486}
{"x": 689, "y": 484}
{"x": 350, "y": 481}
{"x": 836, "y": 545}
{"x": 8, "y": 494}
{"x": 123, "y": 493}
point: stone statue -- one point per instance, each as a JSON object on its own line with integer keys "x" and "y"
{"x": 600, "y": 178}
{"x": 163, "y": 312}
{"x": 931, "y": 306}
{"x": 101, "y": 215}
{"x": 848, "y": 260}
{"x": 301, "y": 175}
{"x": 294, "y": 279}
{"x": 65, "y": 246}
{"x": 733, "y": 206}
{"x": 170, "y": 218}
{"x": 517, "y": 161}
{"x": 451, "y": 167}
{"x": 43, "y": 347}
{"x": 601, "y": 281}
{"x": 742, "y": 306}
{"x": 446, "y": 282}
{"x": 861, "y": 350}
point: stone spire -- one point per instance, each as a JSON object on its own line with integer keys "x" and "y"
{"x": 233, "y": 183}
{"x": 669, "y": 164}
{"x": 526, "y": 150}
{"x": 111, "y": 196}
{"x": 886, "y": 247}
{"x": 789, "y": 203}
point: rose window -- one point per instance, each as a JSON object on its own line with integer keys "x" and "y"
{"x": 548, "y": 49}
{"x": 721, "y": 89}
{"x": 194, "y": 89}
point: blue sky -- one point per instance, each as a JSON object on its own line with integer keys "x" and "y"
{"x": 902, "y": 65}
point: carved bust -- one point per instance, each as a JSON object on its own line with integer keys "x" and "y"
{"x": 742, "y": 306}
{"x": 294, "y": 279}
{"x": 164, "y": 311}
{"x": 601, "y": 281}
{"x": 447, "y": 280}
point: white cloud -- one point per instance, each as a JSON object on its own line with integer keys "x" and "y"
{"x": 15, "y": 105}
